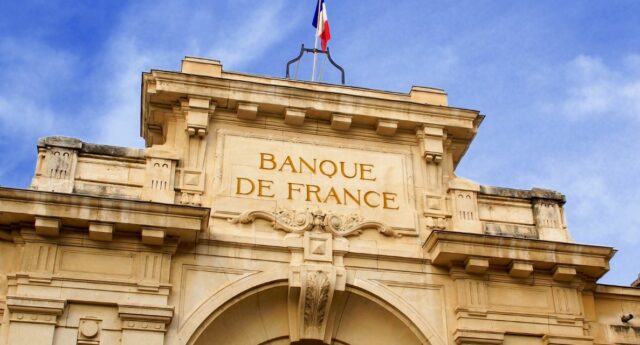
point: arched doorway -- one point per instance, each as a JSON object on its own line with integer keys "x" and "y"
{"x": 262, "y": 318}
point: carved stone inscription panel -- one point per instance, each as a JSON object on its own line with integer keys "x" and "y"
{"x": 265, "y": 174}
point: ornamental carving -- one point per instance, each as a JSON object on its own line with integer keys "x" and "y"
{"x": 299, "y": 222}
{"x": 316, "y": 299}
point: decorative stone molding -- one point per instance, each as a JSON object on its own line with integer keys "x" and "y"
{"x": 447, "y": 248}
{"x": 436, "y": 223}
{"x": 551, "y": 339}
{"x": 315, "y": 276}
{"x": 477, "y": 337}
{"x": 180, "y": 221}
{"x": 299, "y": 222}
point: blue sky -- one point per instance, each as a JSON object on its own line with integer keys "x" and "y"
{"x": 559, "y": 82}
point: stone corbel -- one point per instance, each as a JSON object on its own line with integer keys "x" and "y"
{"x": 197, "y": 115}
{"x": 386, "y": 127}
{"x": 340, "y": 122}
{"x": 431, "y": 141}
{"x": 316, "y": 274}
{"x": 294, "y": 116}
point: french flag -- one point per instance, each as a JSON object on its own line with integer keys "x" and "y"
{"x": 321, "y": 23}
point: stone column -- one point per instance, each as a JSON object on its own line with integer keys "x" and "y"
{"x": 33, "y": 320}
{"x": 144, "y": 324}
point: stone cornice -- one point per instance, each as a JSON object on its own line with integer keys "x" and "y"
{"x": 184, "y": 222}
{"x": 602, "y": 289}
{"x": 35, "y": 305}
{"x": 449, "y": 248}
{"x": 320, "y": 101}
{"x": 411, "y": 113}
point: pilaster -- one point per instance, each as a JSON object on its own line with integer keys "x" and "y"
{"x": 33, "y": 320}
{"x": 190, "y": 174}
{"x": 431, "y": 142}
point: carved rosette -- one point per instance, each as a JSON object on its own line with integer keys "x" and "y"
{"x": 299, "y": 222}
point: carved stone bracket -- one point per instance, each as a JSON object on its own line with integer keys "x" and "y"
{"x": 299, "y": 222}
{"x": 311, "y": 291}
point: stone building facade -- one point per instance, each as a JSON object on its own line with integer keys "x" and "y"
{"x": 273, "y": 211}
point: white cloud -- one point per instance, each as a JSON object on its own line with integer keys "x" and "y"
{"x": 32, "y": 76}
{"x": 596, "y": 89}
{"x": 140, "y": 43}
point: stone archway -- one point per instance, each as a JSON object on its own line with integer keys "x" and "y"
{"x": 261, "y": 317}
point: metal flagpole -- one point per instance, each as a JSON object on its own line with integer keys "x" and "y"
{"x": 315, "y": 45}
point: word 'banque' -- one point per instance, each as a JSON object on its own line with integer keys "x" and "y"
{"x": 316, "y": 193}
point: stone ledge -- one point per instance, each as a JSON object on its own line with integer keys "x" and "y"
{"x": 181, "y": 221}
{"x": 77, "y": 144}
{"x": 449, "y": 248}
{"x": 21, "y": 304}
{"x": 148, "y": 313}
